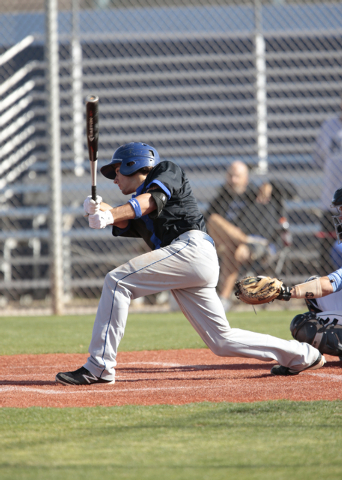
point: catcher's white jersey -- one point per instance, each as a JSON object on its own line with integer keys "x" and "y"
{"x": 329, "y": 308}
{"x": 330, "y": 303}
{"x": 330, "y": 317}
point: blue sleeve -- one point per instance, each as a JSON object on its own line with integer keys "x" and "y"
{"x": 168, "y": 176}
{"x": 336, "y": 280}
{"x": 162, "y": 186}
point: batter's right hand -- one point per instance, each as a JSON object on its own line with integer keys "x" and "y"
{"x": 90, "y": 206}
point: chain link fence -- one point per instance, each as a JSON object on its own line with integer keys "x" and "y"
{"x": 224, "y": 89}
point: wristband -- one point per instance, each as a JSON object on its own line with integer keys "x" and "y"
{"x": 136, "y": 207}
{"x": 310, "y": 289}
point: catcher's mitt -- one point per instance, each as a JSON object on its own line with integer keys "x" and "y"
{"x": 258, "y": 290}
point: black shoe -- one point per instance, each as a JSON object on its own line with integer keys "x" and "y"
{"x": 286, "y": 371}
{"x": 82, "y": 376}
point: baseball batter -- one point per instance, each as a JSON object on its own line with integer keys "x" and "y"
{"x": 163, "y": 211}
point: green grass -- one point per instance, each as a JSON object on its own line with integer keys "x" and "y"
{"x": 271, "y": 440}
{"x": 255, "y": 441}
{"x": 162, "y": 331}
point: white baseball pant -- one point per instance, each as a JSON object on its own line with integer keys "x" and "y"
{"x": 189, "y": 268}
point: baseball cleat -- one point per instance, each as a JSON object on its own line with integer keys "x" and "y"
{"x": 286, "y": 371}
{"x": 82, "y": 376}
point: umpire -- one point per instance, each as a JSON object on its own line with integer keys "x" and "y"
{"x": 163, "y": 211}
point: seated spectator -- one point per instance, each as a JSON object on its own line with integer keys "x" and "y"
{"x": 243, "y": 221}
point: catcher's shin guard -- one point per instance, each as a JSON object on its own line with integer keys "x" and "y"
{"x": 310, "y": 328}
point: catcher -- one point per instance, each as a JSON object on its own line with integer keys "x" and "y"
{"x": 321, "y": 326}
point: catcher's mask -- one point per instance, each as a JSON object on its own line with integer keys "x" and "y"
{"x": 131, "y": 157}
{"x": 336, "y": 202}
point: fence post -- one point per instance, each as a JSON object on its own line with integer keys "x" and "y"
{"x": 54, "y": 150}
{"x": 261, "y": 90}
{"x": 77, "y": 84}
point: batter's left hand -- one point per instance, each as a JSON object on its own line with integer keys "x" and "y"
{"x": 101, "y": 219}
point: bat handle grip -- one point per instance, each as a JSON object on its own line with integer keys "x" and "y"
{"x": 93, "y": 192}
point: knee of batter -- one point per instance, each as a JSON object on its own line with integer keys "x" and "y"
{"x": 115, "y": 282}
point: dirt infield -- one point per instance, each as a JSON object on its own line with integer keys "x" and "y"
{"x": 161, "y": 377}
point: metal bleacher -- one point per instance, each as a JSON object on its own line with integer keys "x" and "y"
{"x": 190, "y": 94}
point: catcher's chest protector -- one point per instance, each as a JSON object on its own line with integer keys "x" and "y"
{"x": 322, "y": 331}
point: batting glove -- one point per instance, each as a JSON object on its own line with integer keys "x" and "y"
{"x": 90, "y": 206}
{"x": 101, "y": 219}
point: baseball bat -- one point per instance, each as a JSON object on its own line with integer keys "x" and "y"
{"x": 92, "y": 114}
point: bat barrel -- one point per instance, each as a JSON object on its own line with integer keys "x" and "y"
{"x": 92, "y": 114}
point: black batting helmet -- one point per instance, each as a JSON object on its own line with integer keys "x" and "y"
{"x": 337, "y": 198}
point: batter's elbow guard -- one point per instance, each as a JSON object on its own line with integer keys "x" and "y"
{"x": 160, "y": 199}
